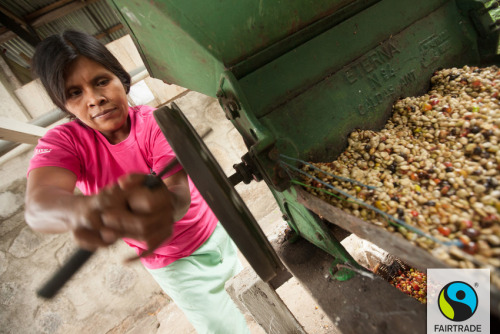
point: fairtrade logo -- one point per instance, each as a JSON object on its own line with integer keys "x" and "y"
{"x": 457, "y": 301}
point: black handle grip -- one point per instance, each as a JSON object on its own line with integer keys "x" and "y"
{"x": 56, "y": 282}
{"x": 152, "y": 181}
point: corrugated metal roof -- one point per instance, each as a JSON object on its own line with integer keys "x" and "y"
{"x": 94, "y": 19}
{"x": 24, "y": 7}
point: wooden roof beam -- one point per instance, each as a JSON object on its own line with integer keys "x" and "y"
{"x": 44, "y": 10}
{"x": 21, "y": 132}
{"x": 109, "y": 31}
{"x": 18, "y": 26}
{"x": 59, "y": 12}
{"x": 6, "y": 35}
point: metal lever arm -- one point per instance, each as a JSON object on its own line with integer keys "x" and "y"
{"x": 56, "y": 282}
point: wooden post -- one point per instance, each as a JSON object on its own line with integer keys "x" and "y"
{"x": 250, "y": 293}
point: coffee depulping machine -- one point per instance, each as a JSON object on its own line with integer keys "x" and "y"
{"x": 295, "y": 78}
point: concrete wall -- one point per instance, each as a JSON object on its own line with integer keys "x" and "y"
{"x": 34, "y": 98}
{"x": 10, "y": 106}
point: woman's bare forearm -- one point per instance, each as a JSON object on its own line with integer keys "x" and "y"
{"x": 51, "y": 209}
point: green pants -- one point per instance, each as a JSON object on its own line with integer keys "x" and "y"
{"x": 196, "y": 285}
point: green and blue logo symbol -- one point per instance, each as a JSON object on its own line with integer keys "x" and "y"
{"x": 457, "y": 301}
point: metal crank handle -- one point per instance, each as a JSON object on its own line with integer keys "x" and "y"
{"x": 57, "y": 281}
{"x": 81, "y": 256}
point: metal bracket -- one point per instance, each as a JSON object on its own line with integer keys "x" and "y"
{"x": 308, "y": 226}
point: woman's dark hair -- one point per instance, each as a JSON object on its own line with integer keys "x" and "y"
{"x": 56, "y": 52}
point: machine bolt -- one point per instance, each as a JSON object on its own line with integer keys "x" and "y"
{"x": 231, "y": 108}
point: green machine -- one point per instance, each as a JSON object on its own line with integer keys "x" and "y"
{"x": 296, "y": 77}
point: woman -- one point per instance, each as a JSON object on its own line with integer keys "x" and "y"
{"x": 106, "y": 151}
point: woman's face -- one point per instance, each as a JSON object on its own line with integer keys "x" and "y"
{"x": 97, "y": 98}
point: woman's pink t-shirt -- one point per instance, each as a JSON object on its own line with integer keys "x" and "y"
{"x": 97, "y": 163}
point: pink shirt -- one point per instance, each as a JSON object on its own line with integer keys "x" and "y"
{"x": 97, "y": 163}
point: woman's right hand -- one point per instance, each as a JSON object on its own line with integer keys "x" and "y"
{"x": 87, "y": 223}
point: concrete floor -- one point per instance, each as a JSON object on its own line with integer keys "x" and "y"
{"x": 107, "y": 296}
